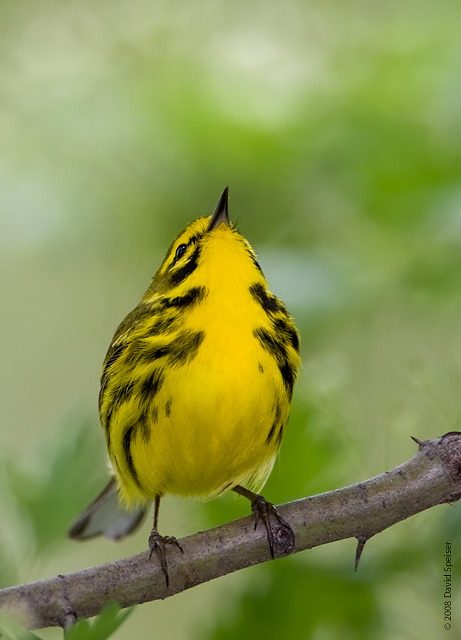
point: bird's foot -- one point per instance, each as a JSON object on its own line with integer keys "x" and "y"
{"x": 279, "y": 533}
{"x": 158, "y": 543}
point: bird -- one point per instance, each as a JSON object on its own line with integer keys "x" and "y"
{"x": 196, "y": 387}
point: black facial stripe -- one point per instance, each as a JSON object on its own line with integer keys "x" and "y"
{"x": 195, "y": 238}
{"x": 181, "y": 274}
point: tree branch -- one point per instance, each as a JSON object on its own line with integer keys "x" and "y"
{"x": 431, "y": 477}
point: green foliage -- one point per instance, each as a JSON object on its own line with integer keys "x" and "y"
{"x": 337, "y": 127}
{"x": 46, "y": 490}
{"x": 101, "y": 627}
{"x": 12, "y": 630}
{"x": 291, "y": 595}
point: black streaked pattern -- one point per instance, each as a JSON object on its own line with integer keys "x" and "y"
{"x": 186, "y": 346}
{"x": 181, "y": 350}
{"x": 282, "y": 327}
{"x": 183, "y": 272}
{"x": 151, "y": 385}
{"x": 270, "y": 343}
{"x": 270, "y": 303}
{"x": 271, "y": 433}
{"x": 277, "y": 350}
{"x": 122, "y": 393}
{"x": 192, "y": 297}
{"x": 168, "y": 407}
{"x": 128, "y": 438}
{"x": 113, "y": 355}
{"x": 280, "y": 434}
{"x": 144, "y": 427}
{"x": 288, "y": 376}
{"x": 256, "y": 263}
{"x": 164, "y": 324}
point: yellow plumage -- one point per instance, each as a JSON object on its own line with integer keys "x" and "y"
{"x": 196, "y": 385}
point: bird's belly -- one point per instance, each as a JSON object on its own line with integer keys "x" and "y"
{"x": 217, "y": 422}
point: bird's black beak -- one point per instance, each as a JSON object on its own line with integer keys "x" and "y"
{"x": 220, "y": 213}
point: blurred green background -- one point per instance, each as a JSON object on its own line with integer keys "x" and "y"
{"x": 337, "y": 127}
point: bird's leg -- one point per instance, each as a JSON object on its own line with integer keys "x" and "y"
{"x": 280, "y": 535}
{"x": 157, "y": 542}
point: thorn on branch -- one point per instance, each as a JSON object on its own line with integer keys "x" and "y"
{"x": 69, "y": 619}
{"x": 418, "y": 442}
{"x": 361, "y": 540}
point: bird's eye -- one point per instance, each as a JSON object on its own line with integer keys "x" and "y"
{"x": 180, "y": 251}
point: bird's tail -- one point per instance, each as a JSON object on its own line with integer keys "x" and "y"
{"x": 106, "y": 516}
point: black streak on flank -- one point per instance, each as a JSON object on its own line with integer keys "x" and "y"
{"x": 168, "y": 407}
{"x": 102, "y": 391}
{"x": 181, "y": 350}
{"x": 163, "y": 325}
{"x": 271, "y": 433}
{"x": 288, "y": 377}
{"x": 258, "y": 266}
{"x": 113, "y": 355}
{"x": 281, "y": 326}
{"x": 144, "y": 427}
{"x": 271, "y": 344}
{"x": 155, "y": 352}
{"x": 122, "y": 393}
{"x": 128, "y": 437}
{"x": 268, "y": 302}
{"x": 154, "y": 414}
{"x": 150, "y": 386}
{"x": 184, "y": 272}
{"x": 185, "y": 347}
{"x": 260, "y": 367}
{"x": 188, "y": 300}
{"x": 280, "y": 435}
{"x": 278, "y": 352}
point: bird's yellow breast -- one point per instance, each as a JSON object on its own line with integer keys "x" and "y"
{"x": 204, "y": 379}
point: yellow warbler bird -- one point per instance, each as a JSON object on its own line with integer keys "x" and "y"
{"x": 196, "y": 385}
